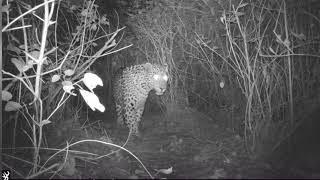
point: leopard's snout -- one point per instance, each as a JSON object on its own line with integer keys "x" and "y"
{"x": 160, "y": 91}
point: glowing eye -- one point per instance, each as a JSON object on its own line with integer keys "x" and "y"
{"x": 165, "y": 78}
{"x": 156, "y": 77}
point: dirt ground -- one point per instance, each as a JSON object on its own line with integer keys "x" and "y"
{"x": 178, "y": 143}
{"x": 183, "y": 139}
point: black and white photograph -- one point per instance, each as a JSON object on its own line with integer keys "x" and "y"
{"x": 160, "y": 89}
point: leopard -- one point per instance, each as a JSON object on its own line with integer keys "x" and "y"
{"x": 131, "y": 88}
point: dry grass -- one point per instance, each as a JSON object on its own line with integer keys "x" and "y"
{"x": 45, "y": 49}
{"x": 259, "y": 50}
{"x": 257, "y": 60}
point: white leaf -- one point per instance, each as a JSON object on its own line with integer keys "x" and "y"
{"x": 45, "y": 61}
{"x": 69, "y": 72}
{"x": 227, "y": 160}
{"x": 84, "y": 12}
{"x": 286, "y": 42}
{"x": 94, "y": 27}
{"x": 44, "y": 122}
{"x": 55, "y": 78}
{"x": 92, "y": 80}
{"x": 94, "y": 44}
{"x": 30, "y": 62}
{"x": 104, "y": 21}
{"x": 67, "y": 87}
{"x": 5, "y": 95}
{"x": 270, "y": 48}
{"x": 26, "y": 67}
{"x": 221, "y": 84}
{"x": 66, "y": 83}
{"x": 22, "y": 46}
{"x": 113, "y": 43}
{"x": 222, "y": 19}
{"x": 300, "y": 36}
{"x": 92, "y": 100}
{"x": 239, "y": 14}
{"x": 138, "y": 171}
{"x": 242, "y": 5}
{"x": 35, "y": 54}
{"x": 18, "y": 63}
{"x": 12, "y": 106}
{"x": 13, "y": 48}
{"x": 165, "y": 171}
{"x": 73, "y": 7}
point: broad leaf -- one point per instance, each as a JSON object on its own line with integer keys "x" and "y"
{"x": 13, "y": 48}
{"x": 221, "y": 84}
{"x": 35, "y": 54}
{"x": 92, "y": 100}
{"x": 44, "y": 122}
{"x": 5, "y": 95}
{"x": 12, "y": 106}
{"x": 18, "y": 63}
{"x": 92, "y": 80}
{"x": 67, "y": 87}
{"x": 55, "y": 78}
{"x": 69, "y": 72}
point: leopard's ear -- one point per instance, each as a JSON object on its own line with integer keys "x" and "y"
{"x": 148, "y": 67}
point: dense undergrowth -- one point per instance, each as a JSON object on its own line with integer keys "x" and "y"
{"x": 258, "y": 60}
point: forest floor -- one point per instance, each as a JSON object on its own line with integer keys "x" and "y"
{"x": 180, "y": 143}
{"x": 183, "y": 139}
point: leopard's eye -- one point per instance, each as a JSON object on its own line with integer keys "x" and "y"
{"x": 165, "y": 77}
{"x": 156, "y": 76}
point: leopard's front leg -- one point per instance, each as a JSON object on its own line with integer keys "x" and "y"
{"x": 135, "y": 125}
{"x": 119, "y": 110}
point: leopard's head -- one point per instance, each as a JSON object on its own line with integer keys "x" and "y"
{"x": 158, "y": 77}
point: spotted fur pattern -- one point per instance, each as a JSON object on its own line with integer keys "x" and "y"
{"x": 131, "y": 88}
